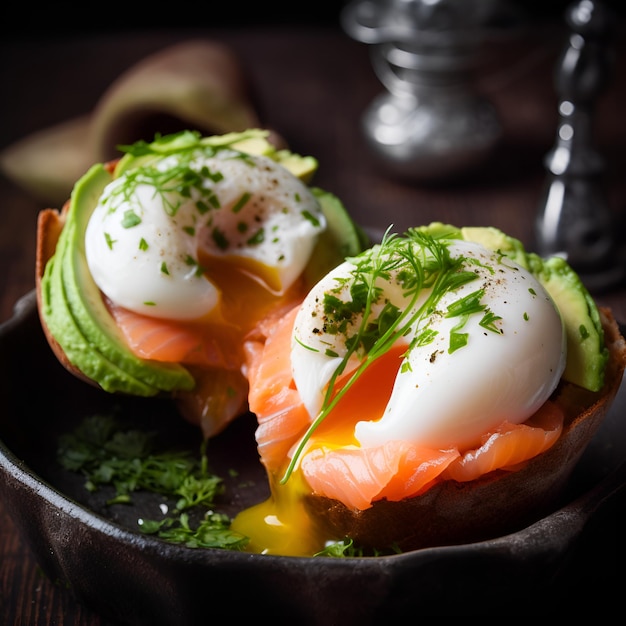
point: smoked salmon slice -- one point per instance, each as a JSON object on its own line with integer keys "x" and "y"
{"x": 169, "y": 341}
{"x": 280, "y": 414}
{"x": 357, "y": 476}
{"x": 509, "y": 445}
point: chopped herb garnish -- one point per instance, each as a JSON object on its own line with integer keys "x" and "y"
{"x": 164, "y": 269}
{"x": 109, "y": 454}
{"x": 489, "y": 321}
{"x": 257, "y": 238}
{"x": 173, "y": 184}
{"x": 241, "y": 202}
{"x": 220, "y": 239}
{"x": 212, "y": 532}
{"x": 202, "y": 207}
{"x": 109, "y": 240}
{"x": 143, "y": 244}
{"x": 130, "y": 219}
{"x": 312, "y": 218}
{"x": 457, "y": 339}
{"x": 347, "y": 549}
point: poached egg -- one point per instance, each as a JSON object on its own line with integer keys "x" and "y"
{"x": 418, "y": 343}
{"x": 157, "y": 230}
{"x": 480, "y": 340}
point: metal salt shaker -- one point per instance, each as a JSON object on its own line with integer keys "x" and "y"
{"x": 573, "y": 219}
{"x": 429, "y": 124}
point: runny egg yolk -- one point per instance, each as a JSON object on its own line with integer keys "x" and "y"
{"x": 282, "y": 524}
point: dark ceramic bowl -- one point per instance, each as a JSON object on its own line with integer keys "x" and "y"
{"x": 562, "y": 563}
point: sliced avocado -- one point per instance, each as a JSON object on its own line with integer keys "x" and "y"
{"x": 342, "y": 238}
{"x": 494, "y": 239}
{"x": 78, "y": 318}
{"x": 253, "y": 141}
{"x": 304, "y": 167}
{"x": 586, "y": 351}
{"x": 439, "y": 230}
{"x": 61, "y": 323}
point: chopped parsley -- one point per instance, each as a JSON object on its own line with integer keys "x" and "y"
{"x": 312, "y": 218}
{"x": 107, "y": 453}
{"x": 130, "y": 219}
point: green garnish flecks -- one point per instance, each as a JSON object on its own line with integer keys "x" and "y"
{"x": 307, "y": 215}
{"x": 174, "y": 184}
{"x": 257, "y": 238}
{"x": 127, "y": 459}
{"x": 130, "y": 219}
{"x": 220, "y": 239}
{"x": 241, "y": 202}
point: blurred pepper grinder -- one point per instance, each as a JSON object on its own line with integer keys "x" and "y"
{"x": 430, "y": 124}
{"x": 573, "y": 218}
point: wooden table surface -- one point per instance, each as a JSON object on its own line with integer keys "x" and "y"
{"x": 312, "y": 85}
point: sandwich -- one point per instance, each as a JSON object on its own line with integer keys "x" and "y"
{"x": 438, "y": 388}
{"x": 149, "y": 277}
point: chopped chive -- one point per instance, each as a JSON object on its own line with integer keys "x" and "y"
{"x": 309, "y": 216}
{"x": 257, "y": 238}
{"x": 243, "y": 200}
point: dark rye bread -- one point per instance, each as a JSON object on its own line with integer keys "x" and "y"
{"x": 500, "y": 502}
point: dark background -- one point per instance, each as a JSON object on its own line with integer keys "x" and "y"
{"x": 53, "y": 20}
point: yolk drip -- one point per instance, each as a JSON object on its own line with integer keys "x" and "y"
{"x": 282, "y": 524}
{"x": 246, "y": 288}
{"x": 245, "y": 299}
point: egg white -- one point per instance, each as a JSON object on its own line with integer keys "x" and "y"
{"x": 255, "y": 213}
{"x": 444, "y": 398}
